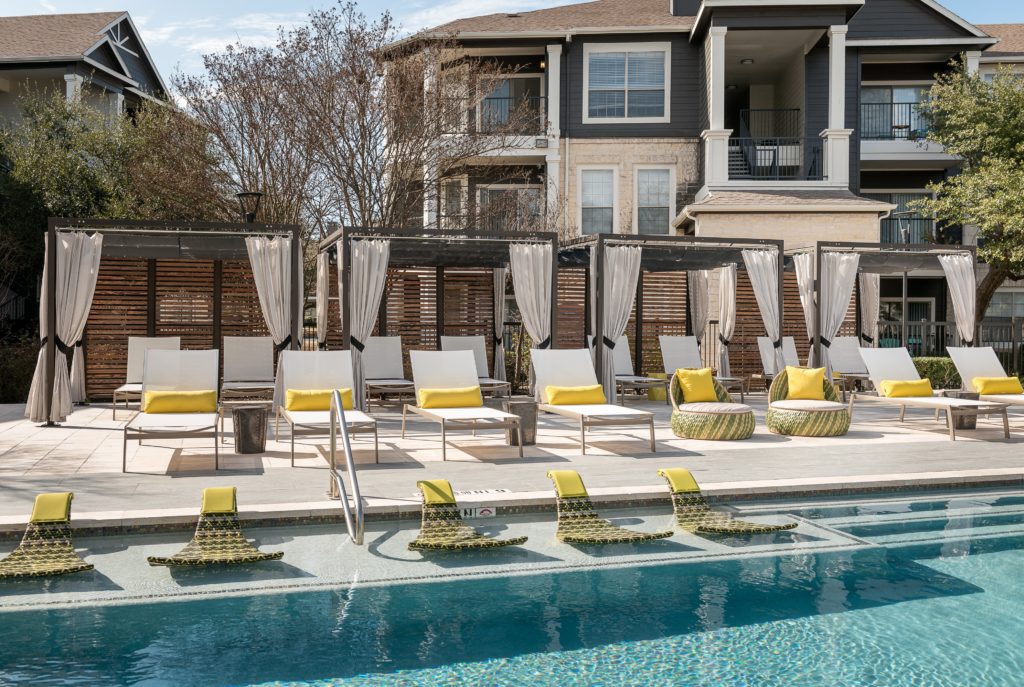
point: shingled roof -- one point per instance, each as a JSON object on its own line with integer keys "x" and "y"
{"x": 600, "y": 14}
{"x": 1011, "y": 39}
{"x": 51, "y": 36}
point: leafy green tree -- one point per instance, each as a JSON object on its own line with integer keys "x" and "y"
{"x": 982, "y": 122}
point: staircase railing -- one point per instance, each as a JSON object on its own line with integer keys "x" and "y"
{"x": 354, "y": 516}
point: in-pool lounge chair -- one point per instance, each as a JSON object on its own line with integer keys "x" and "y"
{"x": 683, "y": 353}
{"x": 248, "y": 372}
{"x": 442, "y": 528}
{"x": 303, "y": 400}
{"x": 218, "y": 539}
{"x": 977, "y": 367}
{"x": 488, "y": 385}
{"x": 767, "y": 351}
{"x": 179, "y": 399}
{"x": 573, "y": 369}
{"x": 382, "y": 367}
{"x": 578, "y": 522}
{"x": 693, "y": 514}
{"x": 624, "y": 373}
{"x": 895, "y": 364}
{"x": 46, "y": 549}
{"x": 448, "y": 393}
{"x": 131, "y": 390}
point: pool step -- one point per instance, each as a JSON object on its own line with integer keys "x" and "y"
{"x": 871, "y": 529}
{"x": 948, "y": 536}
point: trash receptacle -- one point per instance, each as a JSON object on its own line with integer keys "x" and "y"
{"x": 965, "y": 421}
{"x": 526, "y": 408}
{"x": 250, "y": 425}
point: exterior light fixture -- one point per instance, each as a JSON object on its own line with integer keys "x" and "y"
{"x": 730, "y": 87}
{"x": 249, "y": 201}
{"x": 543, "y": 64}
{"x": 747, "y": 61}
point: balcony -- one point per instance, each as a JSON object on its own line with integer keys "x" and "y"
{"x": 919, "y": 230}
{"x": 523, "y": 115}
{"x": 892, "y": 122}
{"x": 776, "y": 158}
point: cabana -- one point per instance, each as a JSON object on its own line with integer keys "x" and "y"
{"x": 406, "y": 274}
{"x": 197, "y": 280}
{"x": 616, "y": 263}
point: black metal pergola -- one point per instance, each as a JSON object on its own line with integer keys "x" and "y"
{"x": 662, "y": 254}
{"x": 165, "y": 240}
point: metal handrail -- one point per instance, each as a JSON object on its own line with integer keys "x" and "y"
{"x": 354, "y": 516}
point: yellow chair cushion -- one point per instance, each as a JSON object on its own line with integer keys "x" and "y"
{"x": 698, "y": 386}
{"x": 568, "y": 483}
{"x": 805, "y": 384}
{"x": 891, "y": 388}
{"x": 437, "y": 492}
{"x": 463, "y": 397}
{"x": 575, "y": 395}
{"x": 179, "y": 402}
{"x": 680, "y": 480}
{"x": 998, "y": 385}
{"x": 219, "y": 500}
{"x": 54, "y": 507}
{"x": 315, "y": 399}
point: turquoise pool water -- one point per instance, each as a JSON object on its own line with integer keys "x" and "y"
{"x": 909, "y": 608}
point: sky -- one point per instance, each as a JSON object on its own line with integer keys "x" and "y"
{"x": 179, "y": 32}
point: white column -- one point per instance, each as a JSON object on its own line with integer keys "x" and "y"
{"x": 72, "y": 86}
{"x": 716, "y": 137}
{"x": 431, "y": 208}
{"x": 837, "y": 136}
{"x": 553, "y": 209}
{"x": 972, "y": 61}
{"x": 554, "y": 79}
{"x": 115, "y": 103}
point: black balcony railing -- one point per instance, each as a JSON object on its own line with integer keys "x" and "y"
{"x": 525, "y": 115}
{"x": 777, "y": 158}
{"x": 919, "y": 230}
{"x": 892, "y": 122}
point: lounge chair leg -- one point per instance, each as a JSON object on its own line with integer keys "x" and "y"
{"x": 903, "y": 412}
{"x": 277, "y": 424}
{"x": 216, "y": 450}
{"x": 124, "y": 452}
{"x": 583, "y": 437}
{"x": 405, "y": 410}
{"x": 951, "y": 423}
{"x": 936, "y": 414}
{"x": 519, "y": 431}
{"x": 850, "y": 409}
{"x": 1006, "y": 425}
{"x": 444, "y": 442}
{"x": 292, "y": 437}
{"x": 654, "y": 448}
{"x": 376, "y": 446}
{"x": 113, "y": 408}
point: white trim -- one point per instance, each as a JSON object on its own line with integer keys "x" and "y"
{"x": 113, "y": 48}
{"x": 96, "y": 65}
{"x": 652, "y": 46}
{"x": 896, "y": 83}
{"x": 615, "y": 169}
{"x": 671, "y": 169}
{"x": 145, "y": 50}
{"x": 896, "y": 42}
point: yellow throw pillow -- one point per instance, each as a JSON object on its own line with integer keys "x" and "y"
{"x": 465, "y": 397}
{"x": 315, "y": 399}
{"x": 805, "y": 384}
{"x": 892, "y": 388}
{"x": 575, "y": 395}
{"x": 698, "y": 386}
{"x": 179, "y": 402}
{"x": 998, "y": 385}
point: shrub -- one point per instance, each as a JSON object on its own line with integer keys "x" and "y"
{"x": 17, "y": 364}
{"x": 941, "y": 371}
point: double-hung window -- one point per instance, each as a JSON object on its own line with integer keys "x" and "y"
{"x": 597, "y": 201}
{"x": 654, "y": 204}
{"x": 626, "y": 82}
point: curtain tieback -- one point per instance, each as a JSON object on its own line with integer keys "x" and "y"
{"x": 285, "y": 343}
{"x": 357, "y": 344}
{"x": 321, "y": 346}
{"x": 825, "y": 342}
{"x": 546, "y": 343}
{"x": 499, "y": 340}
{"x": 608, "y": 342}
{"x": 61, "y": 346}
{"x": 777, "y": 343}
{"x": 867, "y": 339}
{"x": 722, "y": 340}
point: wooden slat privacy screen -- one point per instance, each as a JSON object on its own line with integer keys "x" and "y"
{"x": 663, "y": 299}
{"x": 570, "y": 311}
{"x": 118, "y": 311}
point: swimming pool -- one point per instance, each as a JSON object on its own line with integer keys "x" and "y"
{"x": 930, "y": 597}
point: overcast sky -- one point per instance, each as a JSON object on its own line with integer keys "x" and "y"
{"x": 178, "y": 32}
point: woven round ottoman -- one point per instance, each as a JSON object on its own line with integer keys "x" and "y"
{"x": 713, "y": 421}
{"x": 803, "y": 418}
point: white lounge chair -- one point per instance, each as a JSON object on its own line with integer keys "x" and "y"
{"x": 981, "y": 362}
{"x": 683, "y": 353}
{"x": 382, "y": 367}
{"x": 171, "y": 370}
{"x": 844, "y": 353}
{"x": 625, "y": 378}
{"x": 454, "y": 370}
{"x": 312, "y": 371}
{"x": 767, "y": 351}
{"x": 477, "y": 344}
{"x": 131, "y": 390}
{"x": 248, "y": 372}
{"x": 895, "y": 364}
{"x": 575, "y": 368}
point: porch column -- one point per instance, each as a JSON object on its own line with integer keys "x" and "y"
{"x": 553, "y": 210}
{"x": 837, "y": 136}
{"x": 554, "y": 79}
{"x": 716, "y": 137}
{"x": 431, "y": 204}
{"x": 115, "y": 102}
{"x": 72, "y": 86}
{"x": 972, "y": 61}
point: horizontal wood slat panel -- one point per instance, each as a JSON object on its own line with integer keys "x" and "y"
{"x": 118, "y": 311}
{"x": 570, "y": 314}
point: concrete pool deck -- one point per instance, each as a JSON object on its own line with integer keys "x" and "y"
{"x": 166, "y": 477}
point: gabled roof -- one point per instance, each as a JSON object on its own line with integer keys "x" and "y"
{"x": 1011, "y": 40}
{"x": 52, "y": 36}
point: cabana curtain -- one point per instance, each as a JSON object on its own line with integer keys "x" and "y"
{"x": 621, "y": 271}
{"x": 78, "y": 264}
{"x": 270, "y": 259}
{"x": 763, "y": 269}
{"x": 369, "y": 260}
{"x": 838, "y": 276}
{"x": 531, "y": 281}
{"x": 500, "y": 273}
{"x": 699, "y": 311}
{"x": 804, "y": 263}
{"x": 323, "y": 290}
{"x": 869, "y": 309}
{"x": 726, "y": 316}
{"x": 959, "y": 270}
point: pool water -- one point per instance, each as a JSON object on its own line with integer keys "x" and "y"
{"x": 918, "y": 604}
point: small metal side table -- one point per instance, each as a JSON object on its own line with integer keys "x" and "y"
{"x": 250, "y": 427}
{"x": 526, "y": 409}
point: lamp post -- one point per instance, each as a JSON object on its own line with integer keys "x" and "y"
{"x": 250, "y": 204}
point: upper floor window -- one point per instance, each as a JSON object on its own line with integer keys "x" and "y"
{"x": 626, "y": 82}
{"x": 893, "y": 112}
{"x": 653, "y": 200}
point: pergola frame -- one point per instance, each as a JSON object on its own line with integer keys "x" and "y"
{"x": 892, "y": 258}
{"x": 664, "y": 254}
{"x": 219, "y": 241}
{"x": 438, "y": 248}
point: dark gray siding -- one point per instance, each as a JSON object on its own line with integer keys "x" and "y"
{"x": 902, "y": 71}
{"x": 685, "y": 8}
{"x": 853, "y": 114}
{"x": 901, "y": 19}
{"x": 816, "y": 90}
{"x": 684, "y": 105}
{"x": 777, "y": 17}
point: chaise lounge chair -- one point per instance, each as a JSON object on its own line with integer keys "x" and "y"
{"x": 218, "y": 539}
{"x": 572, "y": 370}
{"x": 248, "y": 375}
{"x": 131, "y": 390}
{"x": 382, "y": 365}
{"x": 448, "y": 393}
{"x": 625, "y": 378}
{"x": 693, "y": 514}
{"x": 767, "y": 352}
{"x": 488, "y": 384}
{"x": 303, "y": 399}
{"x": 578, "y": 522}
{"x": 895, "y": 365}
{"x": 179, "y": 399}
{"x": 978, "y": 368}
{"x": 46, "y": 549}
{"x": 847, "y": 364}
{"x": 442, "y": 528}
